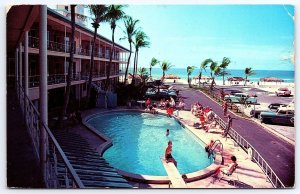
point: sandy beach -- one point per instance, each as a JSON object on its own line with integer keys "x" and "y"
{"x": 266, "y": 86}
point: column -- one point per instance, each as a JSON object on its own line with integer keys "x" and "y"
{"x": 43, "y": 87}
{"x": 26, "y": 64}
{"x": 20, "y": 64}
{"x": 17, "y": 66}
{"x": 25, "y": 71}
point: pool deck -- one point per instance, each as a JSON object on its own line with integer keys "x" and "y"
{"x": 247, "y": 175}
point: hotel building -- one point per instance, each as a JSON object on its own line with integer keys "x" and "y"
{"x": 37, "y": 62}
{"x": 57, "y": 43}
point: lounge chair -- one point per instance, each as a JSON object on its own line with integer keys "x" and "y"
{"x": 229, "y": 174}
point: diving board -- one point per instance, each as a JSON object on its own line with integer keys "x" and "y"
{"x": 173, "y": 174}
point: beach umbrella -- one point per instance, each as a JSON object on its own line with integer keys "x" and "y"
{"x": 202, "y": 77}
{"x": 271, "y": 79}
{"x": 171, "y": 76}
{"x": 238, "y": 79}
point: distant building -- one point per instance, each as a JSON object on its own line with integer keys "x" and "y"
{"x": 80, "y": 14}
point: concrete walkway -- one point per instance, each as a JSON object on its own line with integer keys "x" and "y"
{"x": 279, "y": 154}
{"x": 247, "y": 175}
{"x": 23, "y": 169}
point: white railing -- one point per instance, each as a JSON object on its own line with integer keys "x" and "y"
{"x": 256, "y": 157}
{"x": 59, "y": 171}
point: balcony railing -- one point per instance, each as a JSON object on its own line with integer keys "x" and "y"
{"x": 62, "y": 78}
{"x": 59, "y": 171}
{"x": 33, "y": 42}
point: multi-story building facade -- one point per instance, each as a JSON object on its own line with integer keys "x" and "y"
{"x": 58, "y": 35}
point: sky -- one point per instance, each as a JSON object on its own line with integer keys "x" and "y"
{"x": 257, "y": 36}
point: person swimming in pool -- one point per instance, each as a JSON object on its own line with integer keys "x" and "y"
{"x": 168, "y": 153}
{"x": 167, "y": 132}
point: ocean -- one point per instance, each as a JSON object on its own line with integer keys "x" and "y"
{"x": 287, "y": 76}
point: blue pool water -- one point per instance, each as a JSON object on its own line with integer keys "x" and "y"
{"x": 139, "y": 140}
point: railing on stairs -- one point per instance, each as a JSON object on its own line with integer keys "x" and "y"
{"x": 63, "y": 176}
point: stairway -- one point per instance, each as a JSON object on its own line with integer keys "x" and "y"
{"x": 93, "y": 170}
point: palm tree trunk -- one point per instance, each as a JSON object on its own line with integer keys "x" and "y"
{"x": 126, "y": 72}
{"x": 91, "y": 69}
{"x": 200, "y": 75}
{"x": 212, "y": 83}
{"x": 110, "y": 60}
{"x": 245, "y": 80}
{"x": 137, "y": 59}
{"x": 150, "y": 70}
{"x": 189, "y": 81}
{"x": 70, "y": 68}
{"x": 223, "y": 80}
{"x": 134, "y": 70}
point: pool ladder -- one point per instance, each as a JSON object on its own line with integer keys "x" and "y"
{"x": 217, "y": 144}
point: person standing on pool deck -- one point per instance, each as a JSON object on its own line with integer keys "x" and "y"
{"x": 225, "y": 108}
{"x": 148, "y": 102}
{"x": 168, "y": 153}
{"x": 229, "y": 124}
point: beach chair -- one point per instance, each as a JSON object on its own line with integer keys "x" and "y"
{"x": 230, "y": 174}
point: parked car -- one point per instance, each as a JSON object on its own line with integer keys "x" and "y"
{"x": 152, "y": 93}
{"x": 283, "y": 92}
{"x": 275, "y": 106}
{"x": 240, "y": 98}
{"x": 231, "y": 91}
{"x": 255, "y": 113}
{"x": 283, "y": 116}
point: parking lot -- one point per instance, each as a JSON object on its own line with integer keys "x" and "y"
{"x": 264, "y": 98}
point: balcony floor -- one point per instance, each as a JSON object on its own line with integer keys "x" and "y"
{"x": 22, "y": 164}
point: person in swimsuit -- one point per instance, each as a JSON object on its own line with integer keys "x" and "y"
{"x": 168, "y": 154}
{"x": 228, "y": 169}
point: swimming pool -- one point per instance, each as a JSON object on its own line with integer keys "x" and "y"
{"x": 139, "y": 140}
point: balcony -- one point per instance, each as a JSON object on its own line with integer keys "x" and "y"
{"x": 61, "y": 78}
{"x": 33, "y": 42}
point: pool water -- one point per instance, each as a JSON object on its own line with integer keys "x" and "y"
{"x": 139, "y": 140}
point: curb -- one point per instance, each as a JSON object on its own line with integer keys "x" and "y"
{"x": 269, "y": 129}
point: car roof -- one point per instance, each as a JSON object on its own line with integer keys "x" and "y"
{"x": 283, "y": 89}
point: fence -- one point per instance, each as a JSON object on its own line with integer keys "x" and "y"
{"x": 59, "y": 171}
{"x": 256, "y": 157}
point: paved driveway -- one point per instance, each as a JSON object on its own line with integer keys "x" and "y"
{"x": 279, "y": 154}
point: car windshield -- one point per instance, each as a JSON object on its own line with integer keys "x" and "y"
{"x": 283, "y": 89}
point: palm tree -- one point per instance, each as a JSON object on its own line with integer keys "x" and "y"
{"x": 130, "y": 25}
{"x": 114, "y": 14}
{"x": 69, "y": 76}
{"x": 143, "y": 73}
{"x": 203, "y": 66}
{"x": 100, "y": 15}
{"x": 189, "y": 71}
{"x": 214, "y": 71}
{"x": 212, "y": 67}
{"x": 153, "y": 62}
{"x": 165, "y": 66}
{"x": 223, "y": 66}
{"x": 248, "y": 72}
{"x": 140, "y": 42}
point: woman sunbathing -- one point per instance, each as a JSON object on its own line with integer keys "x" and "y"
{"x": 228, "y": 169}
